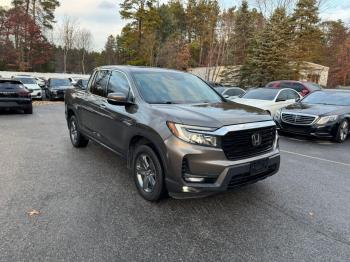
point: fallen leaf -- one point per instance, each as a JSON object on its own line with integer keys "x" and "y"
{"x": 34, "y": 213}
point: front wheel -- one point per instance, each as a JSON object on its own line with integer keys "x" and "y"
{"x": 77, "y": 138}
{"x": 343, "y": 132}
{"x": 148, "y": 173}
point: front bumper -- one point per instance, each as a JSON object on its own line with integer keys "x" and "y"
{"x": 321, "y": 131}
{"x": 220, "y": 173}
{"x": 57, "y": 94}
{"x": 36, "y": 94}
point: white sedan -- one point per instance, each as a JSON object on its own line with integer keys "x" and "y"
{"x": 31, "y": 84}
{"x": 269, "y": 99}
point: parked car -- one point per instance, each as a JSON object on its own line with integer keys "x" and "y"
{"x": 57, "y": 87}
{"x": 74, "y": 80}
{"x": 321, "y": 114}
{"x": 30, "y": 83}
{"x": 41, "y": 82}
{"x": 82, "y": 83}
{"x": 303, "y": 88}
{"x": 14, "y": 95}
{"x": 269, "y": 99}
{"x": 176, "y": 133}
{"x": 231, "y": 93}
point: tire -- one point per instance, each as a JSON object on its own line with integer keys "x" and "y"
{"x": 78, "y": 139}
{"x": 148, "y": 174}
{"x": 343, "y": 131}
{"x": 28, "y": 111}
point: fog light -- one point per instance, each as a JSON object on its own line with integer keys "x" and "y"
{"x": 194, "y": 179}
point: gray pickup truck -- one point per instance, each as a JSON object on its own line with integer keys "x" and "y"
{"x": 177, "y": 134}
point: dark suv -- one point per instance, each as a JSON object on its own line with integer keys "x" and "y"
{"x": 177, "y": 134}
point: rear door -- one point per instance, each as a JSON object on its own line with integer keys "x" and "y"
{"x": 91, "y": 111}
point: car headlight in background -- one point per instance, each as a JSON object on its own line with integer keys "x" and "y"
{"x": 277, "y": 115}
{"x": 326, "y": 119}
{"x": 194, "y": 134}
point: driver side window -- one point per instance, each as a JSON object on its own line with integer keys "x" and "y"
{"x": 283, "y": 96}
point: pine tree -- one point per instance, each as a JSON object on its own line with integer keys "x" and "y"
{"x": 110, "y": 50}
{"x": 307, "y": 33}
{"x": 269, "y": 55}
{"x": 243, "y": 33}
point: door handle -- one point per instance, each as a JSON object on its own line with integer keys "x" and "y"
{"x": 103, "y": 106}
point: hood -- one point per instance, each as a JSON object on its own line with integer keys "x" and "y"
{"x": 32, "y": 86}
{"x": 211, "y": 115}
{"x": 254, "y": 102}
{"x": 313, "y": 109}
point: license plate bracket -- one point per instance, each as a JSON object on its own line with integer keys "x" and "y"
{"x": 259, "y": 166}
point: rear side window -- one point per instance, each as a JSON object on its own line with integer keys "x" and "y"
{"x": 233, "y": 92}
{"x": 118, "y": 83}
{"x": 292, "y": 95}
{"x": 298, "y": 87}
{"x": 283, "y": 96}
{"x": 98, "y": 86}
{"x": 286, "y": 85}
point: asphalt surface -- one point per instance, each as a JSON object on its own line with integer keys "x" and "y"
{"x": 89, "y": 209}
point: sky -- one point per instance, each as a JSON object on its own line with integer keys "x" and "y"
{"x": 102, "y": 17}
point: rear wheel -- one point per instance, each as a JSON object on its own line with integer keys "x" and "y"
{"x": 343, "y": 132}
{"x": 77, "y": 138}
{"x": 148, "y": 173}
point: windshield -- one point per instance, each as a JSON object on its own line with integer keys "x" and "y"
{"x": 60, "y": 82}
{"x": 261, "y": 94}
{"x": 26, "y": 80}
{"x": 328, "y": 98}
{"x": 174, "y": 88}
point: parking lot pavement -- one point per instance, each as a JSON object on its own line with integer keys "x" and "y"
{"x": 89, "y": 209}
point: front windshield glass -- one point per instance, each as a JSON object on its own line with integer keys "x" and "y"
{"x": 328, "y": 98}
{"x": 261, "y": 94}
{"x": 26, "y": 80}
{"x": 161, "y": 87}
{"x": 60, "y": 82}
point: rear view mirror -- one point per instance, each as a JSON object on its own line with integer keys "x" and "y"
{"x": 118, "y": 99}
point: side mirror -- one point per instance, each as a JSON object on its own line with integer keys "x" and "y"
{"x": 118, "y": 99}
{"x": 297, "y": 99}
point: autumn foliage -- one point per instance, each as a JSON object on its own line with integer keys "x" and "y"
{"x": 22, "y": 44}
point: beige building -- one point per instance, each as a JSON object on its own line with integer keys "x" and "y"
{"x": 313, "y": 72}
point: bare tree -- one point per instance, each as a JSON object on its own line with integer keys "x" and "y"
{"x": 267, "y": 7}
{"x": 67, "y": 38}
{"x": 83, "y": 43}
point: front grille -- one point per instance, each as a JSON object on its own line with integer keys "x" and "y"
{"x": 247, "y": 178}
{"x": 297, "y": 119}
{"x": 239, "y": 144}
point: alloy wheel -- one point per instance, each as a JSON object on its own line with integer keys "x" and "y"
{"x": 145, "y": 172}
{"x": 344, "y": 130}
{"x": 73, "y": 131}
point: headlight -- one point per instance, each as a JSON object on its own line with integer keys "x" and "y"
{"x": 324, "y": 120}
{"x": 193, "y": 134}
{"x": 278, "y": 114}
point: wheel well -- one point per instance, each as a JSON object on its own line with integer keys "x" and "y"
{"x": 141, "y": 140}
{"x": 70, "y": 113}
